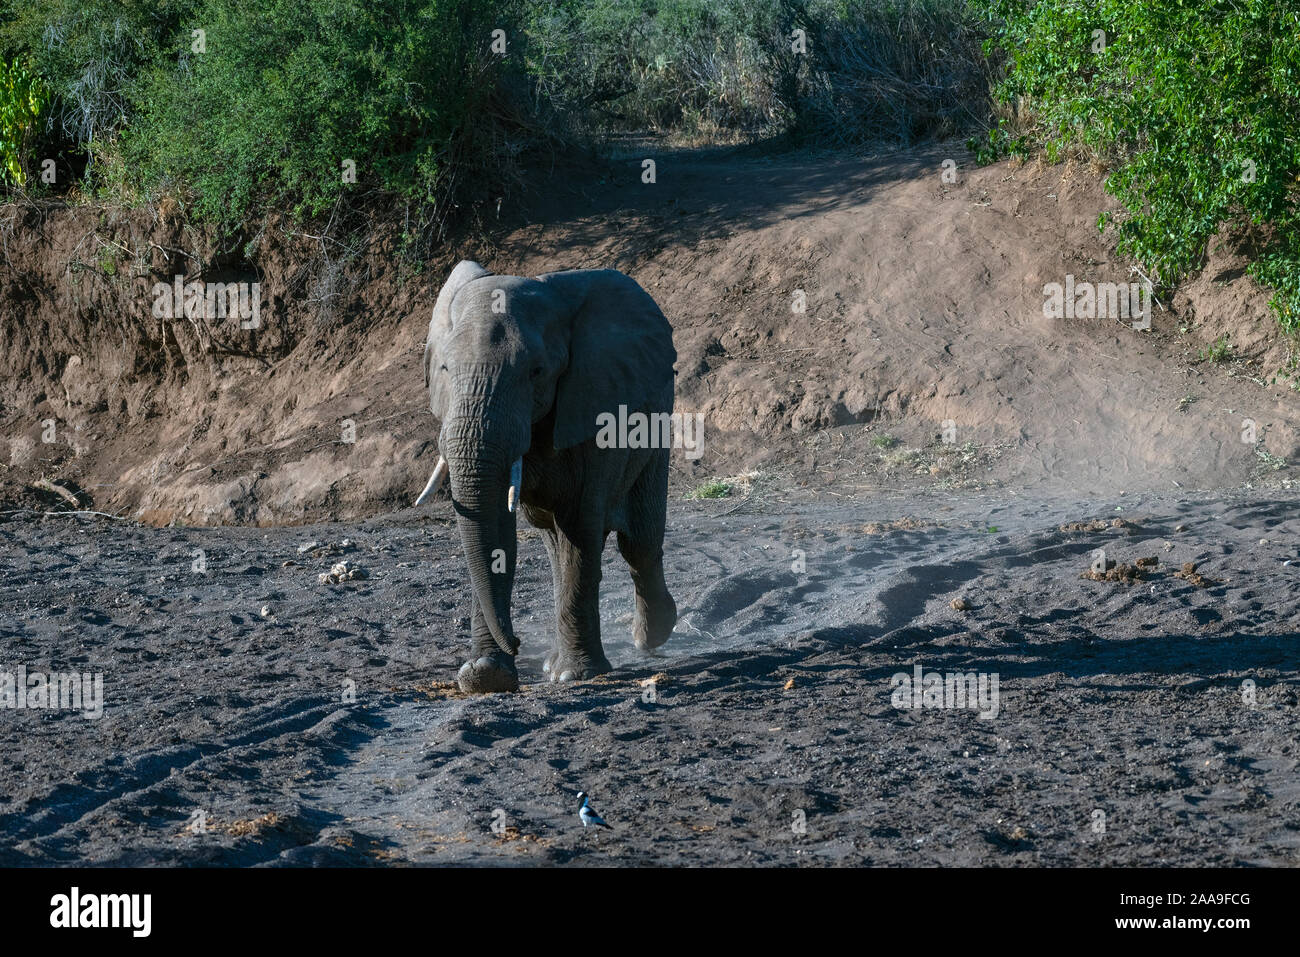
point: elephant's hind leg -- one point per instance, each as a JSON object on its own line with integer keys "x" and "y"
{"x": 656, "y": 612}
{"x": 488, "y": 668}
{"x": 643, "y": 549}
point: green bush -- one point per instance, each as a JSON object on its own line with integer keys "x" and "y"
{"x": 23, "y": 101}
{"x": 286, "y": 92}
{"x": 1193, "y": 103}
{"x": 89, "y": 52}
{"x": 264, "y": 109}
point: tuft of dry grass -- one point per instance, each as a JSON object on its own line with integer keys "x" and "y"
{"x": 254, "y": 826}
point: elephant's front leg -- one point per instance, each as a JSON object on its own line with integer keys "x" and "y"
{"x": 578, "y": 653}
{"x": 551, "y": 539}
{"x": 488, "y": 668}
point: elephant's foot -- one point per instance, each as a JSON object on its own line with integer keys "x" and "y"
{"x": 495, "y": 672}
{"x": 654, "y": 624}
{"x": 566, "y": 666}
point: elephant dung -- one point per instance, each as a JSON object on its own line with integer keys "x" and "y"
{"x": 341, "y": 572}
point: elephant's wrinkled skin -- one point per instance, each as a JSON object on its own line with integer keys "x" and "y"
{"x": 522, "y": 368}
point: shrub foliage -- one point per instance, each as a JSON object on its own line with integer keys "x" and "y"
{"x": 283, "y": 102}
{"x": 1195, "y": 105}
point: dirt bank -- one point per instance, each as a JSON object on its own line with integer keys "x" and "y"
{"x": 836, "y": 318}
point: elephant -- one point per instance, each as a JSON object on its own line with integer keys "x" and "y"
{"x": 519, "y": 371}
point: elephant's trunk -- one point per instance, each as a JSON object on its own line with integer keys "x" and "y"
{"x": 480, "y": 480}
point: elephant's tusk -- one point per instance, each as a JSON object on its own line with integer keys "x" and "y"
{"x": 516, "y": 480}
{"x": 439, "y": 471}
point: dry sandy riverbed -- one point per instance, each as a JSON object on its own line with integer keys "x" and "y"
{"x": 1122, "y": 732}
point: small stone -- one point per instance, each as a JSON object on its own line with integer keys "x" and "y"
{"x": 266, "y": 611}
{"x": 959, "y": 604}
{"x": 789, "y": 685}
{"x": 1180, "y": 528}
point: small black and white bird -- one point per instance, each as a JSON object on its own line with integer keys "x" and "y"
{"x": 588, "y": 813}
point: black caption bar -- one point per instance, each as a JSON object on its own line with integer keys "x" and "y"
{"x": 332, "y": 907}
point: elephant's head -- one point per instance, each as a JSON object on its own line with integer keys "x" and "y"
{"x": 519, "y": 367}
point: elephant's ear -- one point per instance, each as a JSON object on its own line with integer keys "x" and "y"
{"x": 440, "y": 329}
{"x": 620, "y": 352}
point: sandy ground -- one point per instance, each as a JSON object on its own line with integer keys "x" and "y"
{"x": 1123, "y": 733}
